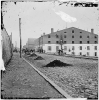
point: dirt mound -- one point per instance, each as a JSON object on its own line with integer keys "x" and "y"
{"x": 57, "y": 63}
{"x": 33, "y": 55}
{"x": 27, "y": 53}
{"x": 39, "y": 58}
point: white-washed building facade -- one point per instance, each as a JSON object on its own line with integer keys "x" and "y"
{"x": 72, "y": 40}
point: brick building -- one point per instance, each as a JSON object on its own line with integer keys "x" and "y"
{"x": 72, "y": 40}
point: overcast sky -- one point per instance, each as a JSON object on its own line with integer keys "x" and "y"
{"x": 39, "y": 17}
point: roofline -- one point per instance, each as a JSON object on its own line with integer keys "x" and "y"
{"x": 69, "y": 28}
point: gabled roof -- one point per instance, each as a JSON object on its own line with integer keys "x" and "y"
{"x": 70, "y": 29}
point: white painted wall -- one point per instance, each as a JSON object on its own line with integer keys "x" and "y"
{"x": 53, "y": 47}
{"x": 76, "y": 48}
{"x": 84, "y": 49}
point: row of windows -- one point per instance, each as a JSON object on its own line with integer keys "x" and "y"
{"x": 73, "y": 48}
{"x": 87, "y": 42}
{"x": 80, "y": 36}
{"x": 88, "y": 54}
{"x": 57, "y": 36}
{"x": 73, "y": 42}
{"x": 57, "y": 48}
{"x": 72, "y": 31}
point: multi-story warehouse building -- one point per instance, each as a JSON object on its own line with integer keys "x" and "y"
{"x": 72, "y": 40}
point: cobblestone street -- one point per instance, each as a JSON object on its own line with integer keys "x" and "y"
{"x": 21, "y": 81}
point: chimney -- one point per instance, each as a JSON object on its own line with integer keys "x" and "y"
{"x": 92, "y": 30}
{"x": 51, "y": 30}
{"x": 43, "y": 33}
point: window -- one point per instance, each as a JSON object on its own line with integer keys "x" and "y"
{"x": 56, "y": 36}
{"x": 95, "y": 53}
{"x": 72, "y": 42}
{"x": 80, "y": 53}
{"x": 65, "y": 47}
{"x": 80, "y": 42}
{"x": 64, "y": 41}
{"x": 49, "y": 48}
{"x": 73, "y": 48}
{"x": 95, "y": 36}
{"x": 64, "y": 36}
{"x": 88, "y": 48}
{"x": 80, "y": 47}
{"x": 87, "y": 53}
{"x": 80, "y": 36}
{"x": 87, "y": 36}
{"x": 57, "y": 48}
{"x": 88, "y": 42}
{"x": 49, "y": 36}
{"x": 95, "y": 42}
{"x": 72, "y": 31}
{"x": 49, "y": 41}
{"x": 57, "y": 42}
{"x": 73, "y": 36}
{"x": 95, "y": 47}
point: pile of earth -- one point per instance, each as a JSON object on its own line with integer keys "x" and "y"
{"x": 33, "y": 55}
{"x": 57, "y": 63}
{"x": 39, "y": 58}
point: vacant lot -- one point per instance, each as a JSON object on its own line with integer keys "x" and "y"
{"x": 78, "y": 80}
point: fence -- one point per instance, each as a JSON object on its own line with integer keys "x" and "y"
{"x": 7, "y": 47}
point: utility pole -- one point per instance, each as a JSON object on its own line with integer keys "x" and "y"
{"x": 20, "y": 35}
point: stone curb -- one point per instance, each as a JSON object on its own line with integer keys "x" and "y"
{"x": 49, "y": 81}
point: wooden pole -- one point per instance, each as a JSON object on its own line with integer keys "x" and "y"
{"x": 20, "y": 36}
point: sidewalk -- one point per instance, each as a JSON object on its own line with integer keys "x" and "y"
{"x": 22, "y": 81}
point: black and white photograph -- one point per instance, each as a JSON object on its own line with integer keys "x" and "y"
{"x": 49, "y": 49}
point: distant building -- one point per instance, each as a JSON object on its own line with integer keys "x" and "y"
{"x": 29, "y": 44}
{"x": 24, "y": 47}
{"x": 72, "y": 40}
